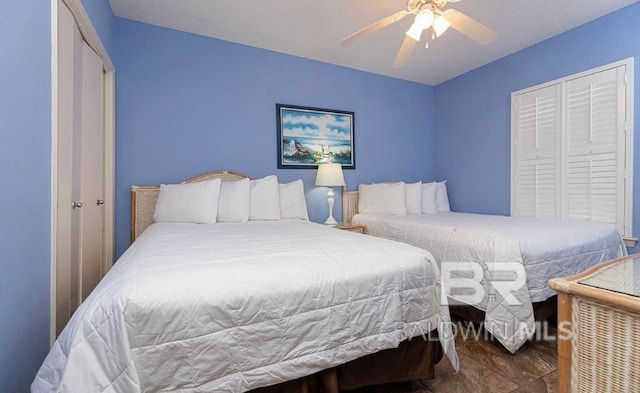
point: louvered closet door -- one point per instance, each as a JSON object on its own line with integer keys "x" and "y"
{"x": 594, "y": 124}
{"x": 537, "y": 143}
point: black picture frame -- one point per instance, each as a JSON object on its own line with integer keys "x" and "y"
{"x": 310, "y": 136}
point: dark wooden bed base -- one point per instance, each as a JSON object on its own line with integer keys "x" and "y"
{"x": 413, "y": 360}
{"x": 542, "y": 311}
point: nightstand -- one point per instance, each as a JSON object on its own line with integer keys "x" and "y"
{"x": 599, "y": 327}
{"x": 351, "y": 227}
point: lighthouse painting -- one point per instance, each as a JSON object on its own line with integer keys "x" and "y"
{"x": 311, "y": 136}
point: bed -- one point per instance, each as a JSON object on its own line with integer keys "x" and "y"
{"x": 259, "y": 305}
{"x": 546, "y": 249}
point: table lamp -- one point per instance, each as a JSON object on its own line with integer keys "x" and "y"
{"x": 330, "y": 175}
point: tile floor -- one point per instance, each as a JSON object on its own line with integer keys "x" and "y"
{"x": 485, "y": 366}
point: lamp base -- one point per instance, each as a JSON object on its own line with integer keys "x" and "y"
{"x": 330, "y": 220}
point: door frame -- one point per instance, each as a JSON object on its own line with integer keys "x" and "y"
{"x": 92, "y": 38}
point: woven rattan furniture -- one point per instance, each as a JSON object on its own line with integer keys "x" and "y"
{"x": 143, "y": 199}
{"x": 350, "y": 227}
{"x": 599, "y": 328}
{"x": 349, "y": 205}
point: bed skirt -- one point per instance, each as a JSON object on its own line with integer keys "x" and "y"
{"x": 542, "y": 311}
{"x": 414, "y": 359}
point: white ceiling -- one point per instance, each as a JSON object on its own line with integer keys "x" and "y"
{"x": 313, "y": 29}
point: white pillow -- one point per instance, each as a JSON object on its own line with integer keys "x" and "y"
{"x": 382, "y": 198}
{"x": 193, "y": 202}
{"x": 234, "y": 201}
{"x": 442, "y": 198}
{"x": 429, "y": 201}
{"x": 414, "y": 198}
{"x": 292, "y": 202}
{"x": 265, "y": 199}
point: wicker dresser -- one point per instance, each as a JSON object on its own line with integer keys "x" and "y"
{"x": 599, "y": 328}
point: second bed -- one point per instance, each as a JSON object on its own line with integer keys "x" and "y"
{"x": 545, "y": 248}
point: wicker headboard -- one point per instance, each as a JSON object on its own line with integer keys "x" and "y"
{"x": 349, "y": 205}
{"x": 143, "y": 199}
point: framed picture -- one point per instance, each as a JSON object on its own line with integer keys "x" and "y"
{"x": 311, "y": 136}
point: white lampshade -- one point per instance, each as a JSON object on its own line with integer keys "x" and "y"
{"x": 424, "y": 19}
{"x": 440, "y": 25}
{"x": 414, "y": 32}
{"x": 329, "y": 175}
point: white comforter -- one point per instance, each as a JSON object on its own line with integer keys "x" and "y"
{"x": 232, "y": 307}
{"x": 546, "y": 249}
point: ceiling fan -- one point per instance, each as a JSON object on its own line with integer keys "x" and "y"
{"x": 428, "y": 14}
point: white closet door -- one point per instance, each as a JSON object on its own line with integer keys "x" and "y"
{"x": 66, "y": 31}
{"x": 537, "y": 143}
{"x": 595, "y": 156}
{"x": 76, "y": 174}
{"x": 80, "y": 169}
{"x": 589, "y": 170}
{"x": 92, "y": 164}
{"x": 68, "y": 229}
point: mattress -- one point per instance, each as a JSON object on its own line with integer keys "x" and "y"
{"x": 233, "y": 307}
{"x": 546, "y": 248}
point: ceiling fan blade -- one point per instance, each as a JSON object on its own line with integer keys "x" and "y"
{"x": 470, "y": 27}
{"x": 373, "y": 27}
{"x": 405, "y": 52}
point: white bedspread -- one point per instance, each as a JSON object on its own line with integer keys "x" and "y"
{"x": 232, "y": 307}
{"x": 546, "y": 248}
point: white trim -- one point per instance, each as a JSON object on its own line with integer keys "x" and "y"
{"x": 629, "y": 131}
{"x": 54, "y": 169}
{"x": 89, "y": 33}
{"x": 92, "y": 38}
{"x": 109, "y": 169}
{"x": 513, "y": 145}
{"x": 625, "y": 62}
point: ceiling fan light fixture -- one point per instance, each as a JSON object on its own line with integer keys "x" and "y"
{"x": 440, "y": 25}
{"x": 424, "y": 19}
{"x": 427, "y": 14}
{"x": 414, "y": 32}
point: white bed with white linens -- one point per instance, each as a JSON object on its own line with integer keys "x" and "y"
{"x": 546, "y": 248}
{"x": 237, "y": 305}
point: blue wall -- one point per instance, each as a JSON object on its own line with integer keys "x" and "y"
{"x": 25, "y": 200}
{"x": 25, "y": 170}
{"x": 472, "y": 124}
{"x": 186, "y": 104}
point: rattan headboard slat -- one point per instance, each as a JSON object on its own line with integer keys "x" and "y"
{"x": 349, "y": 205}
